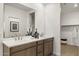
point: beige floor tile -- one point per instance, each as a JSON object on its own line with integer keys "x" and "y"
{"x": 69, "y": 50}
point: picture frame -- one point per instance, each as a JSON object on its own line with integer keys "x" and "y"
{"x": 14, "y": 26}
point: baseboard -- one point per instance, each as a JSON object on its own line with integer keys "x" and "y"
{"x": 56, "y": 54}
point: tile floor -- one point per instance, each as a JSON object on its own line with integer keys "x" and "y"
{"x": 69, "y": 50}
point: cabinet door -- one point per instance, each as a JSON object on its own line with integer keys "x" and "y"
{"x": 19, "y": 53}
{"x": 31, "y": 51}
{"x": 77, "y": 51}
{"x": 40, "y": 54}
{"x": 26, "y": 52}
{"x": 48, "y": 48}
{"x": 40, "y": 50}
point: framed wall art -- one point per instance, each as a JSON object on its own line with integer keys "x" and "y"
{"x": 14, "y": 26}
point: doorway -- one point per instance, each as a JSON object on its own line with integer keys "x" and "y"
{"x": 69, "y": 29}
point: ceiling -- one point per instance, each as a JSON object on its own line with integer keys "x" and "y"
{"x": 45, "y": 4}
{"x": 20, "y": 6}
{"x": 69, "y": 7}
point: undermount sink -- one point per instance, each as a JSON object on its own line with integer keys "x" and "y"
{"x": 27, "y": 37}
{"x": 18, "y": 38}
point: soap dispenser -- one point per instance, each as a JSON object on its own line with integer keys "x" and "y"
{"x": 36, "y": 34}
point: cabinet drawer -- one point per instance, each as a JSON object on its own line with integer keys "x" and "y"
{"x": 40, "y": 42}
{"x": 21, "y": 47}
{"x": 40, "y": 48}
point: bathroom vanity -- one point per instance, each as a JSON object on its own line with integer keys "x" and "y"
{"x": 33, "y": 47}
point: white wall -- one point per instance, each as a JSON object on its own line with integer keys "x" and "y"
{"x": 39, "y": 19}
{"x": 11, "y": 11}
{"x": 1, "y": 27}
{"x": 70, "y": 18}
{"x": 69, "y": 14}
{"x": 1, "y": 19}
{"x": 52, "y": 19}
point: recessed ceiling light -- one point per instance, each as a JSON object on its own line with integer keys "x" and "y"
{"x": 75, "y": 5}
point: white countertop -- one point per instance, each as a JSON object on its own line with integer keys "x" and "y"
{"x": 25, "y": 40}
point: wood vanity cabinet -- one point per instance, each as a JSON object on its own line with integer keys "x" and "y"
{"x": 38, "y": 48}
{"x": 21, "y": 50}
{"x": 48, "y": 47}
